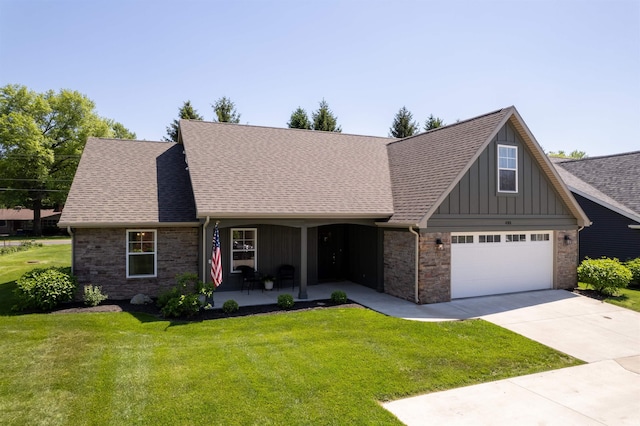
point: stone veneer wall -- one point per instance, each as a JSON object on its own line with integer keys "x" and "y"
{"x": 399, "y": 263}
{"x": 435, "y": 268}
{"x": 100, "y": 259}
{"x": 566, "y": 261}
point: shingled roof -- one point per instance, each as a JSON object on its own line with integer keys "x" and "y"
{"x": 423, "y": 167}
{"x": 252, "y": 171}
{"x": 129, "y": 183}
{"x": 610, "y": 180}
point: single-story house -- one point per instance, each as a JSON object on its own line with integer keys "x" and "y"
{"x": 19, "y": 221}
{"x": 469, "y": 209}
{"x": 608, "y": 190}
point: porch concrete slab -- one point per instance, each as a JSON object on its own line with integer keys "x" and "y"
{"x": 591, "y": 394}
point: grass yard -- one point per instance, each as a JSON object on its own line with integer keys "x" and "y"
{"x": 328, "y": 366}
{"x": 628, "y": 298}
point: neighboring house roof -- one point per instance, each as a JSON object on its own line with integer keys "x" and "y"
{"x": 25, "y": 214}
{"x": 129, "y": 183}
{"x": 611, "y": 181}
{"x": 426, "y": 167}
{"x": 252, "y": 171}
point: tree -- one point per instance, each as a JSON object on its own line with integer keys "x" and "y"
{"x": 225, "y": 111}
{"x": 402, "y": 126}
{"x": 324, "y": 120}
{"x": 433, "y": 123}
{"x": 42, "y": 136}
{"x": 299, "y": 120}
{"x": 119, "y": 131}
{"x": 575, "y": 154}
{"x": 185, "y": 113}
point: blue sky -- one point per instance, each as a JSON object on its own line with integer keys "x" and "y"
{"x": 572, "y": 68}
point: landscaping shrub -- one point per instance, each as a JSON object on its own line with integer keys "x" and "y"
{"x": 164, "y": 298}
{"x": 605, "y": 275}
{"x": 45, "y": 288}
{"x": 339, "y": 297}
{"x": 25, "y": 245}
{"x": 93, "y": 295}
{"x": 230, "y": 306}
{"x": 185, "y": 305}
{"x": 285, "y": 301}
{"x": 634, "y": 267}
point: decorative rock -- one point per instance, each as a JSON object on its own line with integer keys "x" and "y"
{"x": 140, "y": 299}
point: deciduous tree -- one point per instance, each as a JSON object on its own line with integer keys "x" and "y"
{"x": 403, "y": 126}
{"x": 575, "y": 154}
{"x": 42, "y": 136}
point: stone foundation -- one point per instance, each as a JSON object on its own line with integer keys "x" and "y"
{"x": 435, "y": 268}
{"x": 399, "y": 264}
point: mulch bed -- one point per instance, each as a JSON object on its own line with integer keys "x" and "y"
{"x": 211, "y": 314}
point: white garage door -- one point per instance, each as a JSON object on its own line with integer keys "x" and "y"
{"x": 484, "y": 263}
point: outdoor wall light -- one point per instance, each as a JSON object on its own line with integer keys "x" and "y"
{"x": 567, "y": 240}
{"x": 439, "y": 244}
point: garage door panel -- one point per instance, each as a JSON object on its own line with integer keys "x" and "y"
{"x": 479, "y": 269}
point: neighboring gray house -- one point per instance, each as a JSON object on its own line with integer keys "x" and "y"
{"x": 469, "y": 209}
{"x": 19, "y": 221}
{"x": 608, "y": 190}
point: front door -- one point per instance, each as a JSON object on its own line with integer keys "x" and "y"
{"x": 332, "y": 252}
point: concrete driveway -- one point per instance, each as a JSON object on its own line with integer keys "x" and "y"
{"x": 604, "y": 392}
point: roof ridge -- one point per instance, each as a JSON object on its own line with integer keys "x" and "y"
{"x": 127, "y": 140}
{"x": 448, "y": 126}
{"x": 575, "y": 160}
{"x": 290, "y": 129}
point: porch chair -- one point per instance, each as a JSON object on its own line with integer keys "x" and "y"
{"x": 249, "y": 278}
{"x": 285, "y": 273}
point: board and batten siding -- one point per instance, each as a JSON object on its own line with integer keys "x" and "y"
{"x": 476, "y": 195}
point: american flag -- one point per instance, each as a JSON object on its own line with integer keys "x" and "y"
{"x": 216, "y": 262}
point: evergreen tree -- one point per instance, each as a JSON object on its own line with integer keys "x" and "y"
{"x": 187, "y": 112}
{"x": 433, "y": 123}
{"x": 323, "y": 119}
{"x": 225, "y": 111}
{"x": 402, "y": 126}
{"x": 299, "y": 120}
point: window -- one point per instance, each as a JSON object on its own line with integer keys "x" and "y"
{"x": 507, "y": 168}
{"x": 141, "y": 253}
{"x": 489, "y": 238}
{"x": 512, "y": 238}
{"x": 244, "y": 248}
{"x": 3, "y": 223}
{"x": 539, "y": 237}
{"x": 462, "y": 239}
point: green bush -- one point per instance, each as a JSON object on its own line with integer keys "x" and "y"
{"x": 605, "y": 275}
{"x": 25, "y": 245}
{"x": 634, "y": 267}
{"x": 45, "y": 288}
{"x": 164, "y": 298}
{"x": 230, "y": 306}
{"x": 285, "y": 301}
{"x": 339, "y": 297}
{"x": 185, "y": 305}
{"x": 93, "y": 295}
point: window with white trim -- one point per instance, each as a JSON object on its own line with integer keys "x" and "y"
{"x": 489, "y": 238}
{"x": 539, "y": 237}
{"x": 507, "y": 168}
{"x": 244, "y": 248}
{"x": 141, "y": 253}
{"x": 514, "y": 238}
{"x": 462, "y": 239}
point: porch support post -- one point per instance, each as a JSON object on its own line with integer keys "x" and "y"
{"x": 303, "y": 262}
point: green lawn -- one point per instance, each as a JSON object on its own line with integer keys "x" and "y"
{"x": 627, "y": 298}
{"x": 328, "y": 366}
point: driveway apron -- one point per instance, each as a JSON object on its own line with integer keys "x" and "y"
{"x": 606, "y": 391}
